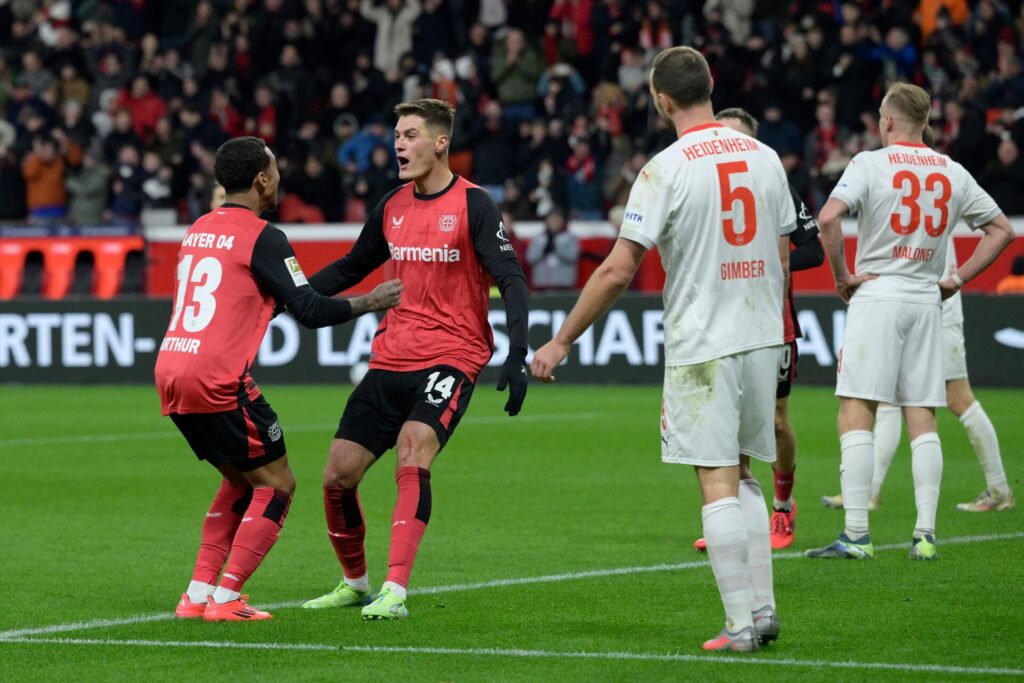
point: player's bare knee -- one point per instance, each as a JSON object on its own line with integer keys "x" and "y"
{"x": 959, "y": 397}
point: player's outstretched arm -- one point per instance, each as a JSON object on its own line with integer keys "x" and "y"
{"x": 367, "y": 254}
{"x": 998, "y": 235}
{"x": 603, "y": 288}
{"x": 830, "y": 219}
{"x": 278, "y": 273}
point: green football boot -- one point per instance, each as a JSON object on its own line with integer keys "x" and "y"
{"x": 386, "y": 606}
{"x": 924, "y": 548}
{"x": 342, "y": 596}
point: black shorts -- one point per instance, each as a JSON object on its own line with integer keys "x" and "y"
{"x": 787, "y": 370}
{"x": 385, "y": 400}
{"x": 247, "y": 438}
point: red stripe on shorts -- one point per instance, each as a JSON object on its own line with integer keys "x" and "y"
{"x": 453, "y": 404}
{"x": 252, "y": 435}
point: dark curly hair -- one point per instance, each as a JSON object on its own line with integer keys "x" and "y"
{"x": 239, "y": 161}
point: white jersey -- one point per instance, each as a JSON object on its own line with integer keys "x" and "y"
{"x": 907, "y": 198}
{"x": 952, "y": 308}
{"x": 715, "y": 203}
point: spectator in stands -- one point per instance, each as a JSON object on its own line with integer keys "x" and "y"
{"x": 355, "y": 155}
{"x": 168, "y": 143}
{"x": 778, "y": 132}
{"x": 320, "y": 185}
{"x": 72, "y": 86}
{"x": 1004, "y": 179}
{"x": 617, "y": 191}
{"x": 34, "y": 76}
{"x": 394, "y": 20}
{"x": 144, "y": 106}
{"x": 379, "y": 178}
{"x": 515, "y": 203}
{"x": 43, "y": 171}
{"x": 492, "y": 163}
{"x": 1014, "y": 282}
{"x": 157, "y": 180}
{"x": 88, "y": 187}
{"x": 554, "y": 255}
{"x": 547, "y": 191}
{"x": 126, "y": 189}
{"x": 432, "y": 32}
{"x": 584, "y": 186}
{"x": 123, "y": 135}
{"x": 12, "y": 184}
{"x": 516, "y": 67}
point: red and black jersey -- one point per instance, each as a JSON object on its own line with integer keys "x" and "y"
{"x": 445, "y": 247}
{"x": 232, "y": 269}
{"x": 806, "y": 252}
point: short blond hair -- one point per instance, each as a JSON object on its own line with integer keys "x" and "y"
{"x": 909, "y": 101}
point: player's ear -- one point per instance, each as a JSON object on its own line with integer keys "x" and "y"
{"x": 441, "y": 144}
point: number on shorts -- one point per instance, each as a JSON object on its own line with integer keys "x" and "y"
{"x": 445, "y": 387}
{"x": 206, "y": 276}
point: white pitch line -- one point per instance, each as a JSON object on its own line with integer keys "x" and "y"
{"x": 533, "y": 654}
{"x": 11, "y": 635}
{"x": 325, "y": 427}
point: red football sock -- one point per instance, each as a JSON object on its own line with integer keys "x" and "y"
{"x": 784, "y": 485}
{"x": 346, "y": 529}
{"x": 408, "y": 521}
{"x": 219, "y": 529}
{"x": 256, "y": 535}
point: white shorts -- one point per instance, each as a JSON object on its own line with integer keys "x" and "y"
{"x": 892, "y": 352}
{"x": 713, "y": 412}
{"x": 954, "y": 353}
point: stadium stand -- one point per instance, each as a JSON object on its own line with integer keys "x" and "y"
{"x": 553, "y": 108}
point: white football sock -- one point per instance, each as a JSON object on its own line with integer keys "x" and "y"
{"x": 982, "y": 436}
{"x": 223, "y": 595}
{"x": 198, "y": 591}
{"x": 926, "y": 461}
{"x": 755, "y": 517}
{"x": 888, "y": 427}
{"x": 361, "y": 584}
{"x": 855, "y": 471}
{"x": 398, "y": 591}
{"x": 726, "y": 536}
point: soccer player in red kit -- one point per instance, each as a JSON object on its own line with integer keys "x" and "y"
{"x": 447, "y": 241}
{"x": 233, "y": 267}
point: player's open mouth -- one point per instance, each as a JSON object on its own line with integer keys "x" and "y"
{"x": 403, "y": 162}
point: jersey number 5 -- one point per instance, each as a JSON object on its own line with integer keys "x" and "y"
{"x": 731, "y": 195}
{"x": 206, "y": 276}
{"x": 910, "y": 200}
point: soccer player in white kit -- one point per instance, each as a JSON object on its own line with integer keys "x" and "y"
{"x": 907, "y": 196}
{"x": 961, "y": 402}
{"x": 717, "y": 205}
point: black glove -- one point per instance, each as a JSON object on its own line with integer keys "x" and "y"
{"x": 515, "y": 376}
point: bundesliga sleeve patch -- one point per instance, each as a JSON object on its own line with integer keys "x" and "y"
{"x": 295, "y": 270}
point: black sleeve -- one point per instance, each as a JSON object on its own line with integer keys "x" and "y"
{"x": 368, "y": 253}
{"x": 807, "y": 250}
{"x": 499, "y": 258}
{"x": 277, "y": 272}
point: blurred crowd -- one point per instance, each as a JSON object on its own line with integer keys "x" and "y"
{"x": 111, "y": 108}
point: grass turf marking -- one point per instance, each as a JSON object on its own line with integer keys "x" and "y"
{"x": 19, "y": 635}
{"x": 533, "y": 654}
{"x": 174, "y": 434}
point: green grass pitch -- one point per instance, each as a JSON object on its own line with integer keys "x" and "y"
{"x": 102, "y": 505}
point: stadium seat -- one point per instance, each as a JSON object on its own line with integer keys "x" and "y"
{"x": 12, "y": 263}
{"x": 32, "y": 274}
{"x": 83, "y": 273}
{"x": 58, "y": 268}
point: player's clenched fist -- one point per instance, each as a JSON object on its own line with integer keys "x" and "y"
{"x": 386, "y": 295}
{"x": 547, "y": 359}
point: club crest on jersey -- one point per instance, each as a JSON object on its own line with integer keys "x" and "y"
{"x": 448, "y": 222}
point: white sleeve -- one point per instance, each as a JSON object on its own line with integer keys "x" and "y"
{"x": 978, "y": 207}
{"x": 852, "y": 188}
{"x": 648, "y": 208}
